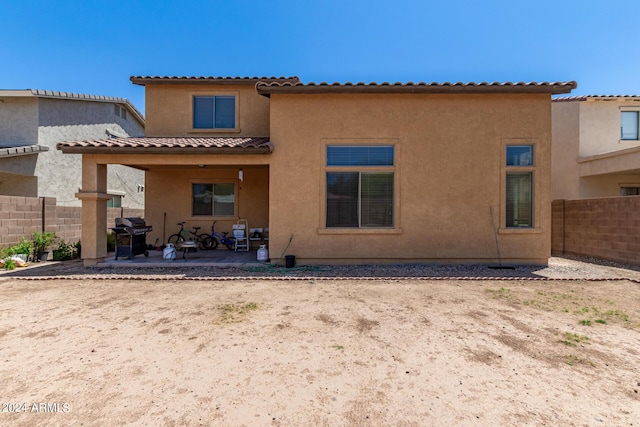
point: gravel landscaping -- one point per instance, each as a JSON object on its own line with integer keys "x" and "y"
{"x": 558, "y": 268}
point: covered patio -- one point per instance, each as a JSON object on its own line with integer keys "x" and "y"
{"x": 235, "y": 171}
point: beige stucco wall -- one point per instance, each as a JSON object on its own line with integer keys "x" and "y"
{"x": 583, "y": 129}
{"x": 600, "y": 126}
{"x": 169, "y": 110}
{"x": 565, "y": 148}
{"x": 449, "y": 172}
{"x": 449, "y": 175}
{"x": 169, "y": 192}
{"x": 606, "y": 185}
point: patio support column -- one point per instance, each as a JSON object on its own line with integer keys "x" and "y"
{"x": 94, "y": 211}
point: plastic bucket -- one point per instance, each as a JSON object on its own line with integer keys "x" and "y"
{"x": 289, "y": 261}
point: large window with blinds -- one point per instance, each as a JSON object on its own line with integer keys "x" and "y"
{"x": 214, "y": 112}
{"x": 519, "y": 186}
{"x": 360, "y": 187}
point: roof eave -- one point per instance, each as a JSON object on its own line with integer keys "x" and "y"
{"x": 164, "y": 150}
{"x": 144, "y": 80}
{"x": 556, "y": 88}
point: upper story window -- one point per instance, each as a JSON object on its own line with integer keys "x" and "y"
{"x": 214, "y": 112}
{"x": 519, "y": 186}
{"x": 120, "y": 111}
{"x": 629, "y": 125}
{"x": 360, "y": 187}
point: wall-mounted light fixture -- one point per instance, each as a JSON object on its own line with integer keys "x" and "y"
{"x": 240, "y": 175}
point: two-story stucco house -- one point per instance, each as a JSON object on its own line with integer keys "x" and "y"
{"x": 32, "y": 122}
{"x": 596, "y": 147}
{"x": 341, "y": 173}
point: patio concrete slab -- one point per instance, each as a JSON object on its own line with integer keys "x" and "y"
{"x": 218, "y": 258}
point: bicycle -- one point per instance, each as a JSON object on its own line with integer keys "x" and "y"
{"x": 216, "y": 238}
{"x": 204, "y": 241}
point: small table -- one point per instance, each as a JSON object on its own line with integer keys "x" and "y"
{"x": 185, "y": 246}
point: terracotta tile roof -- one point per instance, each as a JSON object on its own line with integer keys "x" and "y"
{"x": 268, "y": 88}
{"x": 142, "y": 80}
{"x": 22, "y": 150}
{"x": 169, "y": 145}
{"x": 597, "y": 97}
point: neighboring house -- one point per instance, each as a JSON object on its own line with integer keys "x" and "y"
{"x": 596, "y": 147}
{"x": 341, "y": 173}
{"x": 32, "y": 122}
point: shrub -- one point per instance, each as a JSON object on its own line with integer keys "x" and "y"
{"x": 42, "y": 241}
{"x": 24, "y": 247}
{"x": 64, "y": 252}
{"x": 9, "y": 264}
{"x": 111, "y": 242}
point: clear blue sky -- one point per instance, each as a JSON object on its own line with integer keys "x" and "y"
{"x": 93, "y": 47}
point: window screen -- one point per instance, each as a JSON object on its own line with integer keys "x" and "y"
{"x": 214, "y": 112}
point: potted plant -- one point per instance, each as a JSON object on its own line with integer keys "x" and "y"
{"x": 41, "y": 243}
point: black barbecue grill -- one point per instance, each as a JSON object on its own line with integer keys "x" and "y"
{"x": 131, "y": 237}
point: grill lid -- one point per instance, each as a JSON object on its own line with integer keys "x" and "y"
{"x": 130, "y": 222}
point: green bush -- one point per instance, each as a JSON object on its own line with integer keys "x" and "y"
{"x": 24, "y": 247}
{"x": 42, "y": 241}
{"x": 64, "y": 251}
{"x": 9, "y": 264}
{"x": 111, "y": 242}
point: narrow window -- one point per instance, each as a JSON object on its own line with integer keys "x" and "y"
{"x": 214, "y": 112}
{"x": 520, "y": 199}
{"x": 519, "y": 187}
{"x": 360, "y": 197}
{"x": 213, "y": 199}
{"x": 629, "y": 125}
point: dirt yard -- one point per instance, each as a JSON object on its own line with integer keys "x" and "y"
{"x": 319, "y": 352}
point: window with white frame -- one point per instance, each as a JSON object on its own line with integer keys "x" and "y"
{"x": 213, "y": 199}
{"x": 629, "y": 125}
{"x": 360, "y": 187}
{"x": 519, "y": 186}
{"x": 214, "y": 112}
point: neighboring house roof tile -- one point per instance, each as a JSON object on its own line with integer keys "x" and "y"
{"x": 268, "y": 88}
{"x": 169, "y": 144}
{"x": 39, "y": 93}
{"x": 22, "y": 150}
{"x": 596, "y": 97}
{"x": 142, "y": 80}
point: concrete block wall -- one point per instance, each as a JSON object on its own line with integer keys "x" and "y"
{"x": 22, "y": 216}
{"x": 606, "y": 228}
{"x": 19, "y": 217}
